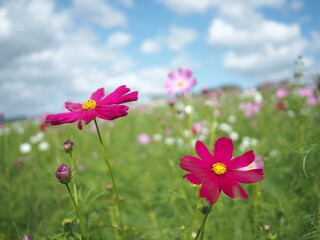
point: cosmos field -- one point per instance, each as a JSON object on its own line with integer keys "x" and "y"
{"x": 279, "y": 122}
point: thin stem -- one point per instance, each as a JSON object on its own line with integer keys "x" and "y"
{"x": 82, "y": 225}
{"x": 202, "y": 227}
{"x": 73, "y": 182}
{"x": 115, "y": 189}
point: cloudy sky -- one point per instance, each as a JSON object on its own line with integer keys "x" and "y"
{"x": 52, "y": 51}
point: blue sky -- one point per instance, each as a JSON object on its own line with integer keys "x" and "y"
{"x": 57, "y": 51}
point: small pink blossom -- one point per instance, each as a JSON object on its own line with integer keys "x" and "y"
{"x": 312, "y": 101}
{"x": 258, "y": 163}
{"x": 143, "y": 139}
{"x": 250, "y": 108}
{"x": 180, "y": 82}
{"x": 219, "y": 171}
{"x": 105, "y": 107}
{"x": 282, "y": 93}
{"x": 196, "y": 128}
{"x": 306, "y": 92}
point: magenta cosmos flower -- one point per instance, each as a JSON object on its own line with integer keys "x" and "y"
{"x": 105, "y": 107}
{"x": 219, "y": 172}
{"x": 180, "y": 82}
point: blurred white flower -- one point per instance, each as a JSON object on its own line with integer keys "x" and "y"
{"x": 291, "y": 114}
{"x": 232, "y": 119}
{"x": 43, "y": 146}
{"x": 186, "y": 133}
{"x": 251, "y": 94}
{"x": 225, "y": 127}
{"x": 234, "y": 136}
{"x": 248, "y": 142}
{"x": 169, "y": 141}
{"x": 157, "y": 137}
{"x": 188, "y": 109}
{"x": 179, "y": 141}
{"x": 20, "y": 130}
{"x": 37, "y": 138}
{"x": 25, "y": 148}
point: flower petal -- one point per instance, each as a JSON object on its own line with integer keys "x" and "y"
{"x": 61, "y": 118}
{"x": 232, "y": 188}
{"x": 203, "y": 152}
{"x": 185, "y": 72}
{"x": 223, "y": 150}
{"x": 251, "y": 176}
{"x": 241, "y": 161}
{"x": 199, "y": 177}
{"x": 72, "y": 107}
{"x": 190, "y": 163}
{"x": 97, "y": 95}
{"x": 119, "y": 96}
{"x": 211, "y": 190}
{"x": 88, "y": 116}
{"x": 111, "y": 112}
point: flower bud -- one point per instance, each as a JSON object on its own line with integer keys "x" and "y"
{"x": 63, "y": 174}
{"x": 205, "y": 209}
{"x": 68, "y": 145}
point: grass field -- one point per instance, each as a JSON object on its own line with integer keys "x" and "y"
{"x": 157, "y": 203}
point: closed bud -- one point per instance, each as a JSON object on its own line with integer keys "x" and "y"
{"x": 68, "y": 145}
{"x": 63, "y": 174}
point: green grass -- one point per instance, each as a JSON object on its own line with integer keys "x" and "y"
{"x": 158, "y": 203}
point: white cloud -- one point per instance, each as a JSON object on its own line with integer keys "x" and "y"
{"x": 118, "y": 40}
{"x": 98, "y": 12}
{"x": 255, "y": 46}
{"x": 259, "y": 32}
{"x": 269, "y": 58}
{"x": 5, "y": 24}
{"x": 43, "y": 63}
{"x": 315, "y": 40}
{"x": 176, "y": 39}
{"x": 200, "y": 6}
{"x": 296, "y": 5}
{"x": 185, "y": 60}
{"x": 179, "y": 38}
{"x": 151, "y": 46}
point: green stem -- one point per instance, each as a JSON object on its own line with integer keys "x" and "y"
{"x": 115, "y": 189}
{"x": 73, "y": 182}
{"x": 203, "y": 224}
{"x": 82, "y": 225}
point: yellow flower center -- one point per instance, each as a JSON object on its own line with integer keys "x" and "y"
{"x": 89, "y": 105}
{"x": 180, "y": 83}
{"x": 219, "y": 168}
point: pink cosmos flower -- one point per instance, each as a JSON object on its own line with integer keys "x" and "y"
{"x": 258, "y": 163}
{"x": 282, "y": 93}
{"x": 143, "y": 139}
{"x": 180, "y": 82}
{"x": 250, "y": 108}
{"x": 219, "y": 172}
{"x": 306, "y": 92}
{"x": 105, "y": 107}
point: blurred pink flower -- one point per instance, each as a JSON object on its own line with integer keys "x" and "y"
{"x": 250, "y": 108}
{"x": 105, "y": 107}
{"x": 312, "y": 101}
{"x": 196, "y": 128}
{"x": 282, "y": 93}
{"x": 143, "y": 139}
{"x": 180, "y": 82}
{"x": 219, "y": 172}
{"x": 306, "y": 92}
{"x": 258, "y": 163}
